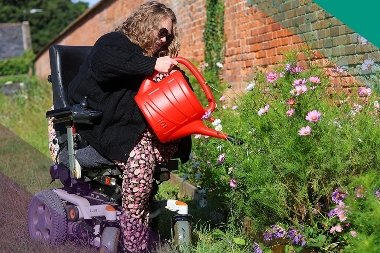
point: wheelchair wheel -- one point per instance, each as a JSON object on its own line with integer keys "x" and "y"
{"x": 182, "y": 233}
{"x": 109, "y": 240}
{"x": 47, "y": 218}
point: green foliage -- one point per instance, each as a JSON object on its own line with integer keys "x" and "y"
{"x": 24, "y": 112}
{"x": 214, "y": 39}
{"x": 45, "y": 25}
{"x": 282, "y": 174}
{"x": 17, "y": 65}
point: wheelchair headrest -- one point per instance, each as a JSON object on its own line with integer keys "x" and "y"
{"x": 64, "y": 66}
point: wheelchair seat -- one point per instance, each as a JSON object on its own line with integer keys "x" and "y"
{"x": 65, "y": 62}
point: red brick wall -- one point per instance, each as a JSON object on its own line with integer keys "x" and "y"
{"x": 256, "y": 32}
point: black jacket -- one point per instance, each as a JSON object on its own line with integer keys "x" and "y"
{"x": 110, "y": 77}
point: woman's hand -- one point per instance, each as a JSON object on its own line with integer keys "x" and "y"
{"x": 164, "y": 64}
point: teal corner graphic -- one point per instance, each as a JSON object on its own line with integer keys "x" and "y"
{"x": 360, "y": 16}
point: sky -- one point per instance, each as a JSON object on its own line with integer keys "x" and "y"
{"x": 90, "y": 2}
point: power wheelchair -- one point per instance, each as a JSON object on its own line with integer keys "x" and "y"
{"x": 89, "y": 203}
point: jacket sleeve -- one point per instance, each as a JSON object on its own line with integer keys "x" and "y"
{"x": 114, "y": 56}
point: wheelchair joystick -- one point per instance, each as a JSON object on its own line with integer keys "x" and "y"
{"x": 84, "y": 103}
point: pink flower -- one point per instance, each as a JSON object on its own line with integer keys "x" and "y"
{"x": 304, "y": 131}
{"x": 360, "y": 192}
{"x": 233, "y": 183}
{"x": 296, "y": 70}
{"x": 298, "y": 90}
{"x": 313, "y": 87}
{"x": 291, "y": 102}
{"x": 197, "y": 136}
{"x": 290, "y": 112}
{"x": 234, "y": 107}
{"x": 314, "y": 79}
{"x": 272, "y": 76}
{"x": 338, "y": 228}
{"x": 222, "y": 98}
{"x": 364, "y": 91}
{"x": 353, "y": 233}
{"x": 299, "y": 82}
{"x": 313, "y": 116}
{"x": 263, "y": 110}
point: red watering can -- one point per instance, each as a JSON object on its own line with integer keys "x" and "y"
{"x": 171, "y": 107}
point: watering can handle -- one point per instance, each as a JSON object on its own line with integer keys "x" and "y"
{"x": 206, "y": 89}
{"x": 201, "y": 80}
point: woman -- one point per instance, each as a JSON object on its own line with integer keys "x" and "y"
{"x": 110, "y": 77}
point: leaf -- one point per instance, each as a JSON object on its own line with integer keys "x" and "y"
{"x": 239, "y": 241}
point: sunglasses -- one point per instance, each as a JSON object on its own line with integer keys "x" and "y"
{"x": 163, "y": 32}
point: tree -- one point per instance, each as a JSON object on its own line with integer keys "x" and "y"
{"x": 45, "y": 25}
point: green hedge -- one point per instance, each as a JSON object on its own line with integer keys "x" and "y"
{"x": 17, "y": 65}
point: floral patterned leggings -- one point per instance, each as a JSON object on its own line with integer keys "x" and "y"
{"x": 137, "y": 185}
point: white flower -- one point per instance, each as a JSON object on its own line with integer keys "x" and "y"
{"x": 216, "y": 122}
{"x": 376, "y": 104}
{"x": 250, "y": 86}
{"x": 218, "y": 128}
{"x": 219, "y": 65}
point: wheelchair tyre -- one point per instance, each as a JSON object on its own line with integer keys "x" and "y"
{"x": 109, "y": 240}
{"x": 47, "y": 219}
{"x": 182, "y": 233}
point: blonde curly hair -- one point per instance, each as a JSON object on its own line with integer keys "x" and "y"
{"x": 140, "y": 25}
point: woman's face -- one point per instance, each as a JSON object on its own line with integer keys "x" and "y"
{"x": 163, "y": 35}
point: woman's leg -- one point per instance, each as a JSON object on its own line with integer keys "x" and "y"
{"x": 137, "y": 185}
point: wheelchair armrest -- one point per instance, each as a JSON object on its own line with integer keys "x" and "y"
{"x": 76, "y": 113}
{"x": 59, "y": 113}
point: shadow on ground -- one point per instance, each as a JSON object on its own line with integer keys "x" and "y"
{"x": 22, "y": 160}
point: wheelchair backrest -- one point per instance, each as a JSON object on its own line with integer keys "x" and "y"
{"x": 64, "y": 66}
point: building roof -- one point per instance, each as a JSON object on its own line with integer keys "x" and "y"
{"x": 14, "y": 39}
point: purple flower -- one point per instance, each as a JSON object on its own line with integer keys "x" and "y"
{"x": 267, "y": 235}
{"x": 368, "y": 64}
{"x": 278, "y": 231}
{"x": 296, "y": 237}
{"x": 222, "y": 98}
{"x": 288, "y": 66}
{"x": 256, "y": 248}
{"x": 206, "y": 115}
{"x": 221, "y": 158}
{"x": 234, "y": 107}
{"x": 338, "y": 196}
{"x": 362, "y": 41}
{"x": 377, "y": 193}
